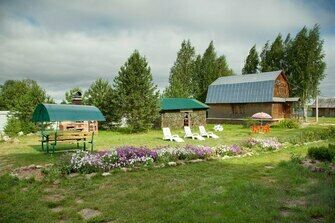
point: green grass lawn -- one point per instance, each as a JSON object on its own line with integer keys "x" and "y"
{"x": 262, "y": 188}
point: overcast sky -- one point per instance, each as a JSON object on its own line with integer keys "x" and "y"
{"x": 66, "y": 44}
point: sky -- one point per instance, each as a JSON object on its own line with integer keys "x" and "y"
{"x": 64, "y": 44}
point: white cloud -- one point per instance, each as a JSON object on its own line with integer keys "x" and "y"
{"x": 63, "y": 47}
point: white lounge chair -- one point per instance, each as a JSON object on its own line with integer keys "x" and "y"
{"x": 189, "y": 134}
{"x": 168, "y": 136}
{"x": 204, "y": 133}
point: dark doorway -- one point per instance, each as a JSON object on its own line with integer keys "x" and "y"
{"x": 187, "y": 119}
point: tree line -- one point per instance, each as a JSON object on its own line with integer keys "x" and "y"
{"x": 301, "y": 57}
{"x": 133, "y": 95}
{"x": 191, "y": 74}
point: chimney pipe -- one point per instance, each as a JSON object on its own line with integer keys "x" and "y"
{"x": 77, "y": 98}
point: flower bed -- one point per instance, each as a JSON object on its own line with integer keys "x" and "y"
{"x": 228, "y": 150}
{"x": 267, "y": 144}
{"x": 127, "y": 156}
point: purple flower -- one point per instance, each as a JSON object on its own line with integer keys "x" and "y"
{"x": 235, "y": 149}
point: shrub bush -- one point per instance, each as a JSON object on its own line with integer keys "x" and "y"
{"x": 296, "y": 158}
{"x": 288, "y": 123}
{"x": 323, "y": 153}
{"x": 13, "y": 126}
{"x": 311, "y": 135}
{"x": 250, "y": 122}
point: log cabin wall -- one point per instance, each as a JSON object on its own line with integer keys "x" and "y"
{"x": 278, "y": 111}
{"x": 245, "y": 110}
{"x": 325, "y": 112}
{"x": 281, "y": 88}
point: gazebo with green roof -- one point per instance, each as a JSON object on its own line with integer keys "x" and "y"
{"x": 180, "y": 112}
{"x": 46, "y": 113}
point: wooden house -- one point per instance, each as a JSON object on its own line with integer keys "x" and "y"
{"x": 235, "y": 98}
{"x": 326, "y": 107}
{"x": 179, "y": 112}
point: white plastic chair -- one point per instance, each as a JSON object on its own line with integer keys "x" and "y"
{"x": 168, "y": 136}
{"x": 189, "y": 134}
{"x": 204, "y": 133}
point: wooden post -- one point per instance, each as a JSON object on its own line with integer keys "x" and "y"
{"x": 317, "y": 109}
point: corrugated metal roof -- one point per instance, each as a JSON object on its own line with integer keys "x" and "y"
{"x": 181, "y": 104}
{"x": 249, "y": 88}
{"x": 247, "y": 78}
{"x": 55, "y": 112}
{"x": 325, "y": 103}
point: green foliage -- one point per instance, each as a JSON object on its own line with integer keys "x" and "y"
{"x": 310, "y": 135}
{"x": 322, "y": 153}
{"x": 222, "y": 67}
{"x": 69, "y": 94}
{"x": 190, "y": 76}
{"x": 208, "y": 68}
{"x": 306, "y": 65}
{"x": 21, "y": 97}
{"x": 13, "y": 126}
{"x": 273, "y": 57}
{"x": 302, "y": 58}
{"x": 288, "y": 123}
{"x": 208, "y": 71}
{"x": 180, "y": 80}
{"x": 252, "y": 62}
{"x": 296, "y": 158}
{"x": 136, "y": 97}
{"x": 264, "y": 55}
{"x": 100, "y": 94}
{"x": 249, "y": 122}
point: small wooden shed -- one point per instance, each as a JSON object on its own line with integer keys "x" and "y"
{"x": 180, "y": 112}
{"x": 237, "y": 97}
{"x": 326, "y": 107}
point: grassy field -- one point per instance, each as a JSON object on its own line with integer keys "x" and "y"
{"x": 262, "y": 188}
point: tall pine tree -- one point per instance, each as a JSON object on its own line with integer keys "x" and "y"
{"x": 222, "y": 67}
{"x": 207, "y": 72}
{"x": 264, "y": 58}
{"x": 287, "y": 45}
{"x": 196, "y": 77}
{"x": 252, "y": 62}
{"x": 180, "y": 80}
{"x": 306, "y": 67}
{"x": 136, "y": 97}
{"x": 210, "y": 68}
{"x": 100, "y": 94}
{"x": 276, "y": 54}
{"x": 272, "y": 57}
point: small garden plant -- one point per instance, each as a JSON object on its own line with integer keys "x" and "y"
{"x": 323, "y": 153}
{"x": 265, "y": 144}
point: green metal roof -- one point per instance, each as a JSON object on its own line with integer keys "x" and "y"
{"x": 55, "y": 112}
{"x": 181, "y": 104}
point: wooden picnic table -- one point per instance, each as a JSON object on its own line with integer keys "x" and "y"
{"x": 53, "y": 138}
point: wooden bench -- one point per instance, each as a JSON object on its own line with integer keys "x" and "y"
{"x": 57, "y": 137}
